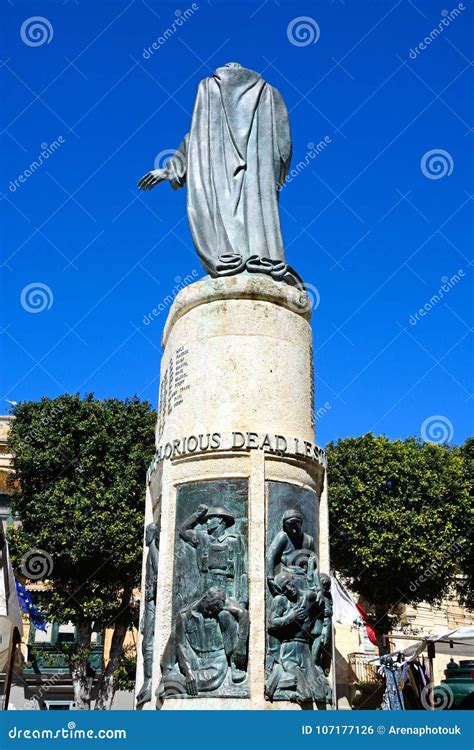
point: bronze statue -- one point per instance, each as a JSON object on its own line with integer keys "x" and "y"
{"x": 298, "y": 617}
{"x": 147, "y": 626}
{"x": 292, "y": 673}
{"x": 207, "y": 644}
{"x": 292, "y": 550}
{"x": 234, "y": 159}
{"x": 221, "y": 555}
{"x": 321, "y": 648}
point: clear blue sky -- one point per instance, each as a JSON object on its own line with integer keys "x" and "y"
{"x": 363, "y": 223}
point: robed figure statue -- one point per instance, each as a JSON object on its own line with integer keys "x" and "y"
{"x": 234, "y": 160}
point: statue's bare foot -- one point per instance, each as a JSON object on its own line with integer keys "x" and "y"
{"x": 145, "y": 693}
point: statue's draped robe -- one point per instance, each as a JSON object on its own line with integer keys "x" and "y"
{"x": 234, "y": 158}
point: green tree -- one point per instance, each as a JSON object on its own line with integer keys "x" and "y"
{"x": 400, "y": 520}
{"x": 80, "y": 467}
{"x": 465, "y": 583}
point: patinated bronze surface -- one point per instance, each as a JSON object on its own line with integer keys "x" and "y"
{"x": 299, "y": 610}
{"x": 322, "y": 646}
{"x": 147, "y": 626}
{"x": 234, "y": 159}
{"x": 207, "y": 649}
{"x": 208, "y": 645}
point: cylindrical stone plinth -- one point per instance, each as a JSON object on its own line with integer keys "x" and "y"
{"x": 239, "y": 350}
{"x": 234, "y": 435}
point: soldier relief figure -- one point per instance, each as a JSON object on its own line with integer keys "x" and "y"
{"x": 208, "y": 645}
{"x": 209, "y": 639}
{"x": 147, "y": 625}
{"x": 220, "y": 549}
{"x": 299, "y": 617}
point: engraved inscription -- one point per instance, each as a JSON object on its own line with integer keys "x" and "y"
{"x": 180, "y": 386}
{"x": 173, "y": 387}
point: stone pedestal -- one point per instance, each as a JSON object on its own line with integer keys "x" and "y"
{"x": 235, "y": 430}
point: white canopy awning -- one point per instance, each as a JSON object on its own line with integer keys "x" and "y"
{"x": 463, "y": 637}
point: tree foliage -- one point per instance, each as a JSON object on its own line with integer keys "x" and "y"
{"x": 81, "y": 466}
{"x": 400, "y": 520}
{"x": 465, "y": 584}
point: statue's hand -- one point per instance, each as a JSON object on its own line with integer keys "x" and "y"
{"x": 191, "y": 685}
{"x": 299, "y": 613}
{"x": 151, "y": 179}
{"x": 274, "y": 590}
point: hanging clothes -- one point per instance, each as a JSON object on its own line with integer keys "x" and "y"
{"x": 411, "y": 691}
{"x": 393, "y": 696}
{"x": 416, "y": 680}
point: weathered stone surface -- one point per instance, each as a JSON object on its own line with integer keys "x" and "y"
{"x": 237, "y": 356}
{"x": 240, "y": 350}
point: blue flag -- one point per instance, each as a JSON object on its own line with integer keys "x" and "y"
{"x": 27, "y": 606}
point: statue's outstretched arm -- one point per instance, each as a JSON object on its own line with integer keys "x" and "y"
{"x": 175, "y": 171}
{"x": 186, "y": 530}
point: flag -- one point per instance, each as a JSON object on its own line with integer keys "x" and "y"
{"x": 30, "y": 609}
{"x": 371, "y": 634}
{"x": 347, "y": 612}
{"x": 344, "y": 606}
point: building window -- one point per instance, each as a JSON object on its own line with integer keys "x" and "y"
{"x": 43, "y": 636}
{"x": 59, "y": 705}
{"x": 66, "y": 633}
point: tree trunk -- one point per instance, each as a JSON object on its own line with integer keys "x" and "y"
{"x": 80, "y": 682}
{"x": 382, "y": 627}
{"x": 106, "y": 689}
{"x": 106, "y": 692}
